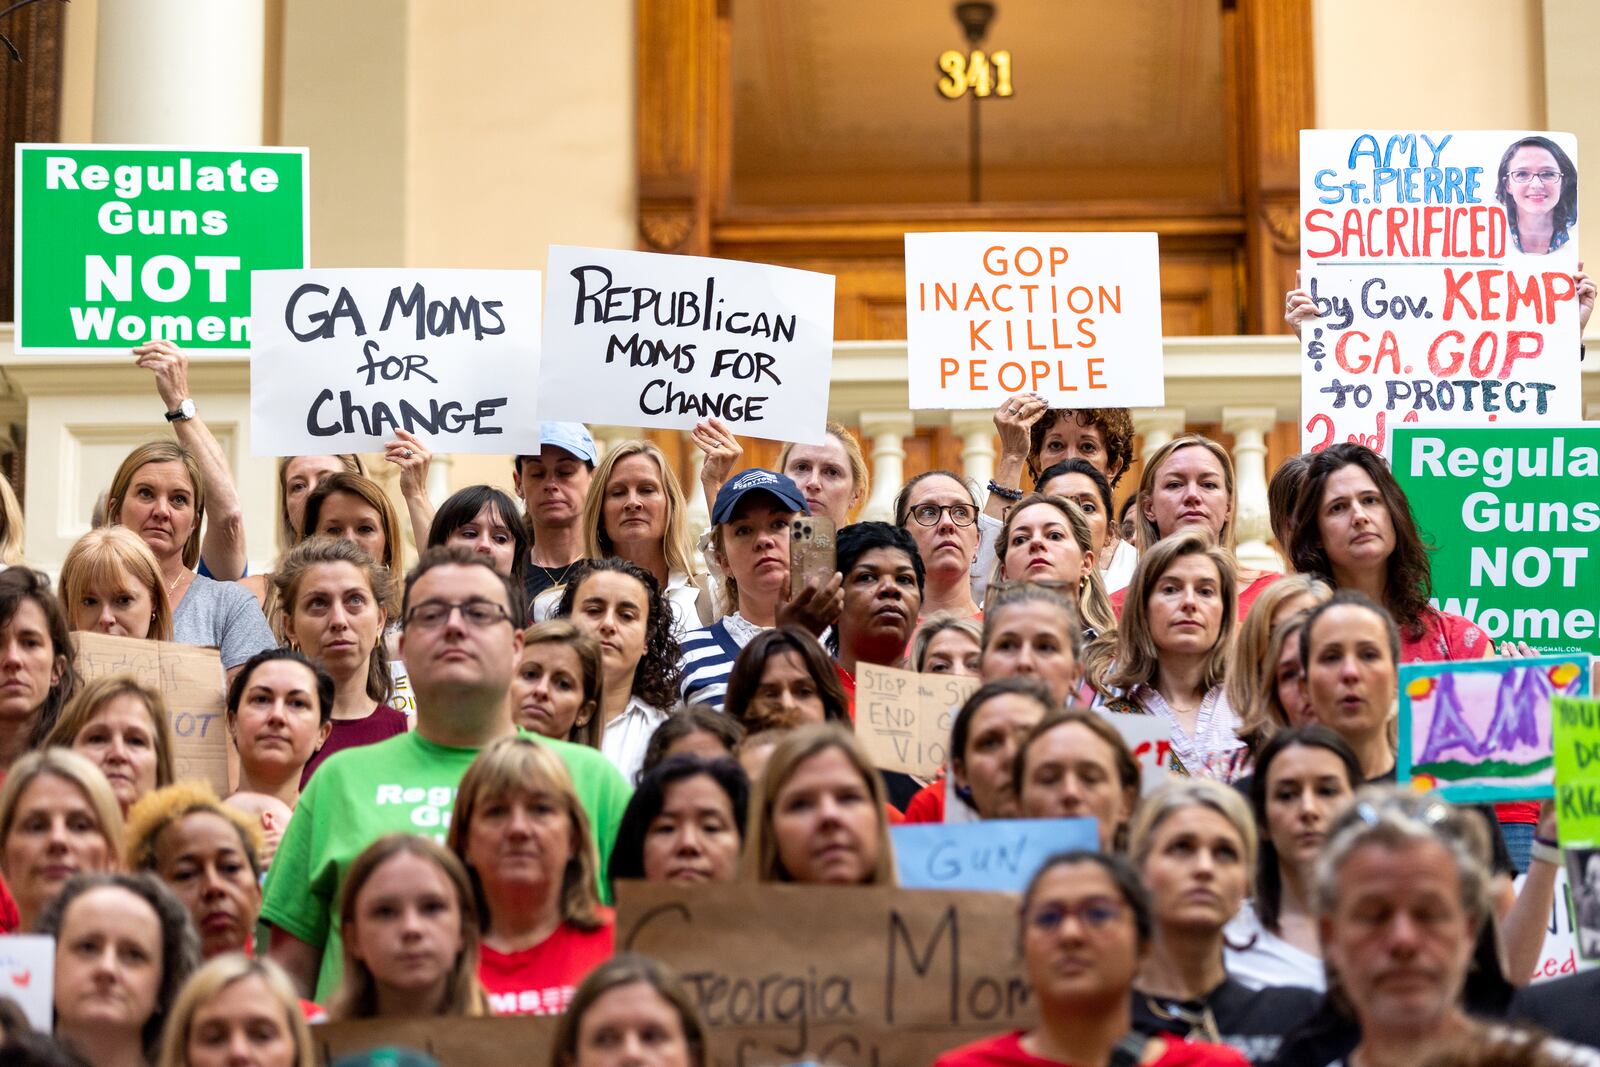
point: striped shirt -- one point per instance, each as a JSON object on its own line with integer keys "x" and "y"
{"x": 707, "y": 657}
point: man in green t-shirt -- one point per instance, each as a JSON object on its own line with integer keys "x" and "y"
{"x": 461, "y": 650}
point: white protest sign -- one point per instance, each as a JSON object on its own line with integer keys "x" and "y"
{"x": 641, "y": 339}
{"x": 1441, "y": 264}
{"x": 1074, "y": 317}
{"x": 27, "y": 976}
{"x": 341, "y": 358}
{"x": 1150, "y": 741}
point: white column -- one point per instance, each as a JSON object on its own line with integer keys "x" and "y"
{"x": 1252, "y": 526}
{"x": 439, "y": 478}
{"x": 1157, "y": 426}
{"x": 179, "y": 72}
{"x": 699, "y": 510}
{"x": 885, "y": 432}
{"x": 976, "y": 430}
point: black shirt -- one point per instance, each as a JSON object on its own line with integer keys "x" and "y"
{"x": 1254, "y": 1021}
{"x": 1563, "y": 1008}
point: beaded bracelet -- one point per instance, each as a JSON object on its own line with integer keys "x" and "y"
{"x": 1004, "y": 492}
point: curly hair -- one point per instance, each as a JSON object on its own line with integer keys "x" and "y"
{"x": 655, "y": 680}
{"x": 156, "y": 811}
{"x": 1115, "y": 426}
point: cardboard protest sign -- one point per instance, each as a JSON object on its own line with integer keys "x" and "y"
{"x": 844, "y": 975}
{"x": 1150, "y": 741}
{"x": 1511, "y": 515}
{"x": 903, "y": 718}
{"x": 996, "y": 854}
{"x": 117, "y": 245}
{"x": 401, "y": 699}
{"x": 1074, "y": 317}
{"x": 1441, "y": 264}
{"x": 1480, "y": 730}
{"x": 454, "y": 1042}
{"x": 191, "y": 681}
{"x": 27, "y": 976}
{"x": 642, "y": 339}
{"x": 344, "y": 357}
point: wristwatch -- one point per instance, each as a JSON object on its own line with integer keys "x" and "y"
{"x": 184, "y": 413}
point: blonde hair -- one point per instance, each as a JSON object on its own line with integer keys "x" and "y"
{"x": 597, "y": 544}
{"x": 69, "y": 767}
{"x": 11, "y": 530}
{"x": 933, "y": 626}
{"x": 1093, "y": 603}
{"x": 156, "y": 811}
{"x": 1145, "y": 532}
{"x": 587, "y": 649}
{"x": 521, "y": 764}
{"x": 87, "y": 702}
{"x": 287, "y": 538}
{"x": 761, "y": 862}
{"x": 1181, "y": 794}
{"x": 161, "y": 452}
{"x": 1137, "y": 656}
{"x": 210, "y": 980}
{"x": 113, "y": 554}
{"x": 326, "y": 551}
{"x": 1252, "y": 678}
{"x": 859, "y": 476}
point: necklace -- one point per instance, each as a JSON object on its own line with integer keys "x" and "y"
{"x": 175, "y": 581}
{"x": 562, "y": 580}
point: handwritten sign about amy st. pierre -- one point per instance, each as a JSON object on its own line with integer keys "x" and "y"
{"x": 642, "y": 339}
{"x": 1441, "y": 265}
{"x": 1074, "y": 317}
{"x": 343, "y": 358}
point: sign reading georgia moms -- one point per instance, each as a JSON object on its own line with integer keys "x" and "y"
{"x": 1441, "y": 266}
{"x": 643, "y": 339}
{"x": 1074, "y": 317}
{"x": 118, "y": 245}
{"x": 1512, "y": 514}
{"x": 343, "y": 358}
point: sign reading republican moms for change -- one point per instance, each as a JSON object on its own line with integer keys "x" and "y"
{"x": 343, "y": 358}
{"x": 118, "y": 245}
{"x": 1441, "y": 265}
{"x": 1513, "y": 518}
{"x": 643, "y": 339}
{"x": 1074, "y": 317}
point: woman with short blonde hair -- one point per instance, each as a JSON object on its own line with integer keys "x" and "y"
{"x": 108, "y": 565}
{"x": 267, "y": 1006}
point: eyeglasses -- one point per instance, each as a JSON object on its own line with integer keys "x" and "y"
{"x": 1095, "y": 914}
{"x": 480, "y": 614}
{"x": 960, "y": 514}
{"x": 1547, "y": 177}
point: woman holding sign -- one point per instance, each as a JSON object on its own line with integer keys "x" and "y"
{"x": 111, "y": 584}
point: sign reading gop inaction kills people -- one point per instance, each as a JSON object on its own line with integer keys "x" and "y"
{"x": 1074, "y": 317}
{"x": 642, "y": 339}
{"x": 118, "y": 245}
{"x": 1441, "y": 265}
{"x": 343, "y": 358}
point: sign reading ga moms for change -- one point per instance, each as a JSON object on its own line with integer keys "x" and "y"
{"x": 121, "y": 244}
{"x": 643, "y": 339}
{"x": 1074, "y": 317}
{"x": 343, "y": 358}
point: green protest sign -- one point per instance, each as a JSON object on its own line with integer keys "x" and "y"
{"x": 1576, "y": 730}
{"x": 1511, "y": 513}
{"x": 117, "y": 245}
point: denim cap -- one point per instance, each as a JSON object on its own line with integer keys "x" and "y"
{"x": 757, "y": 480}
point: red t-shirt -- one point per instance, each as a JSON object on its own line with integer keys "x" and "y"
{"x": 541, "y": 980}
{"x": 1006, "y": 1051}
{"x": 928, "y": 804}
{"x": 847, "y": 680}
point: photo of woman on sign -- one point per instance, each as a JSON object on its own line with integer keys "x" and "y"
{"x": 1538, "y": 187}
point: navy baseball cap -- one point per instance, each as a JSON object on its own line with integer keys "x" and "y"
{"x": 757, "y": 480}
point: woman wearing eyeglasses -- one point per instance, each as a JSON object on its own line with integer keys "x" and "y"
{"x": 1538, "y": 186}
{"x": 940, "y": 512}
{"x": 1086, "y": 928}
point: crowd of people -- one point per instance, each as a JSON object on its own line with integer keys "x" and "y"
{"x": 602, "y": 693}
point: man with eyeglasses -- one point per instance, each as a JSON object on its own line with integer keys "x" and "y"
{"x": 461, "y": 649}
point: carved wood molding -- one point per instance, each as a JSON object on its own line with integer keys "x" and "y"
{"x": 681, "y": 73}
{"x": 30, "y": 110}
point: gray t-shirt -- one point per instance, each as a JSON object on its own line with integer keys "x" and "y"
{"x": 222, "y": 615}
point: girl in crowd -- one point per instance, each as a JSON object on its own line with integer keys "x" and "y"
{"x": 523, "y": 837}
{"x": 37, "y": 676}
{"x": 783, "y": 678}
{"x": 635, "y": 512}
{"x": 940, "y": 511}
{"x": 1304, "y": 777}
{"x": 1194, "y": 844}
{"x": 1034, "y": 630}
{"x": 209, "y": 855}
{"x": 1047, "y": 539}
{"x": 630, "y": 1002}
{"x": 833, "y": 475}
{"x": 685, "y": 823}
{"x": 410, "y": 928}
{"x": 159, "y": 494}
{"x": 1173, "y": 648}
{"x": 297, "y": 477}
{"x": 947, "y": 644}
{"x": 1260, "y": 671}
{"x": 112, "y": 584}
{"x": 57, "y": 817}
{"x": 124, "y": 948}
{"x": 620, "y": 605}
{"x": 350, "y": 507}
{"x": 280, "y": 709}
{"x": 336, "y": 605}
{"x": 1085, "y": 929}
{"x": 1086, "y": 485}
{"x": 237, "y": 1011}
{"x": 1072, "y": 764}
{"x": 559, "y": 687}
{"x": 818, "y": 814}
{"x": 695, "y": 730}
{"x": 485, "y": 520}
{"x": 120, "y": 725}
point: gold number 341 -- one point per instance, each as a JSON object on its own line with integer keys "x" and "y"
{"x": 984, "y": 74}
